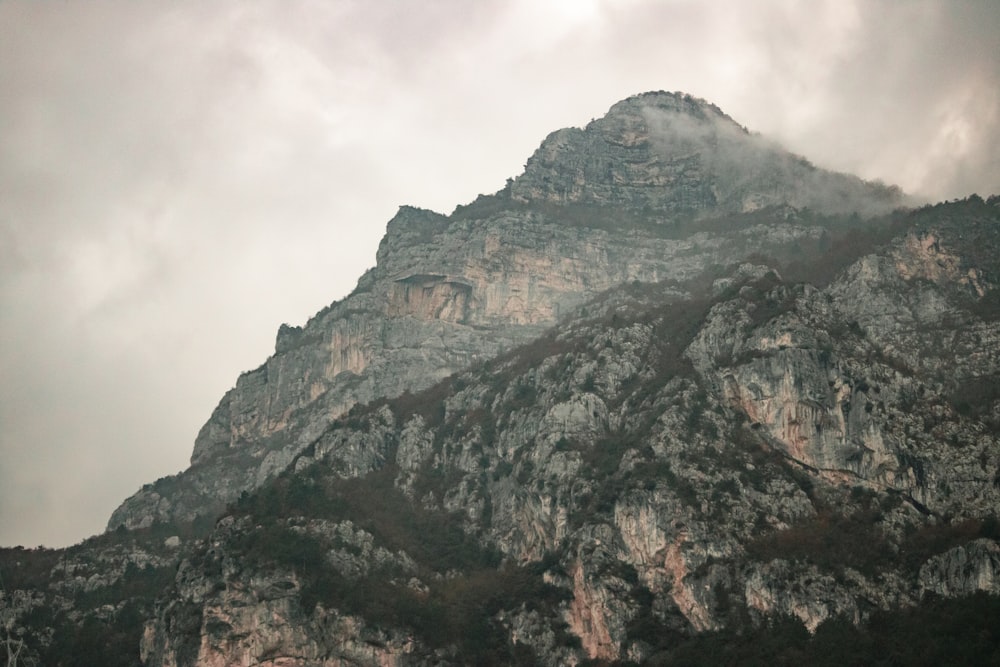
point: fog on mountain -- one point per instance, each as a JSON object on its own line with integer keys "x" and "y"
{"x": 672, "y": 396}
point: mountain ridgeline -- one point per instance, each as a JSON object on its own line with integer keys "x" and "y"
{"x": 671, "y": 396}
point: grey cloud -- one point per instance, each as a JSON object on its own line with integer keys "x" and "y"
{"x": 908, "y": 72}
{"x": 178, "y": 179}
{"x": 753, "y": 172}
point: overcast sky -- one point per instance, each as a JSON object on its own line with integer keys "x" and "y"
{"x": 179, "y": 178}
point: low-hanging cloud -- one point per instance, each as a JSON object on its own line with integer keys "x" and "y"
{"x": 749, "y": 171}
{"x": 177, "y": 179}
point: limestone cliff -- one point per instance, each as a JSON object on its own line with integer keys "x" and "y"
{"x": 449, "y": 291}
{"x": 670, "y": 463}
{"x": 670, "y": 385}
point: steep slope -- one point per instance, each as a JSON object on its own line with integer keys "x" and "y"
{"x": 624, "y": 199}
{"x": 671, "y": 386}
{"x": 673, "y": 462}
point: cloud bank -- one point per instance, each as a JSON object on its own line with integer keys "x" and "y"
{"x": 177, "y": 179}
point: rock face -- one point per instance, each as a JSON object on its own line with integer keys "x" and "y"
{"x": 671, "y": 382}
{"x": 669, "y": 463}
{"x": 262, "y": 622}
{"x": 450, "y": 291}
{"x": 675, "y": 155}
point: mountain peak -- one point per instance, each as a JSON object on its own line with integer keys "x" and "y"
{"x": 677, "y": 102}
{"x": 681, "y": 157}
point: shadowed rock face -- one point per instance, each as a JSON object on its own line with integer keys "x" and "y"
{"x": 450, "y": 291}
{"x": 641, "y": 393}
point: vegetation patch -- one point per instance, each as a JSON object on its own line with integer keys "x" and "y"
{"x": 959, "y": 631}
{"x": 456, "y": 610}
{"x": 374, "y": 504}
{"x": 834, "y": 541}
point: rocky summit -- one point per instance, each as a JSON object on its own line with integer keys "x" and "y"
{"x": 671, "y": 396}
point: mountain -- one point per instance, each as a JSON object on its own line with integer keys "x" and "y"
{"x": 672, "y": 396}
{"x": 623, "y": 199}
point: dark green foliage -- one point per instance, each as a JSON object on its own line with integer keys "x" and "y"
{"x": 833, "y": 541}
{"x": 27, "y": 568}
{"x": 975, "y": 397}
{"x": 962, "y": 631}
{"x": 455, "y": 611}
{"x": 459, "y": 610}
{"x": 87, "y": 640}
{"x": 96, "y": 642}
{"x": 829, "y": 540}
{"x": 109, "y": 639}
{"x": 931, "y": 539}
{"x": 145, "y": 583}
{"x": 522, "y": 396}
{"x": 603, "y": 458}
{"x": 766, "y": 301}
{"x": 428, "y": 403}
{"x": 846, "y": 240}
{"x": 374, "y": 504}
{"x": 521, "y": 359}
{"x": 485, "y": 421}
{"x": 988, "y": 307}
